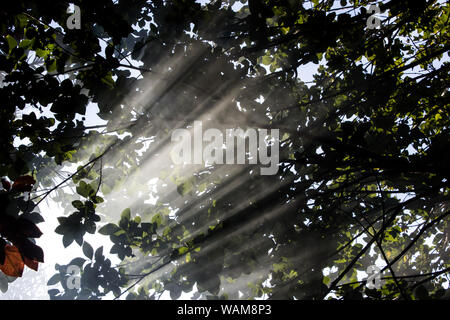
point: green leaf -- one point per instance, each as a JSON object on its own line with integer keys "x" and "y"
{"x": 108, "y": 80}
{"x": 54, "y": 279}
{"x": 126, "y": 214}
{"x": 87, "y": 250}
{"x": 183, "y": 250}
{"x": 53, "y": 292}
{"x": 97, "y": 199}
{"x": 67, "y": 240}
{"x": 108, "y": 229}
{"x": 26, "y": 43}
{"x": 185, "y": 187}
{"x": 3, "y": 283}
{"x": 78, "y": 261}
{"x": 42, "y": 53}
{"x": 421, "y": 293}
{"x": 266, "y": 60}
{"x": 99, "y": 254}
{"x": 51, "y": 65}
{"x": 89, "y": 225}
{"x": 77, "y": 204}
{"x": 83, "y": 189}
{"x": 21, "y": 21}
{"x": 12, "y": 43}
{"x": 157, "y": 219}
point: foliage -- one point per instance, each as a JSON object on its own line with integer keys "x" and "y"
{"x": 18, "y": 229}
{"x": 363, "y": 158}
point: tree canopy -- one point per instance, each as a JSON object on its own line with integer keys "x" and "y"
{"x": 363, "y": 175}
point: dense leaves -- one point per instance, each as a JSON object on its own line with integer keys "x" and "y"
{"x": 363, "y": 177}
{"x": 16, "y": 229}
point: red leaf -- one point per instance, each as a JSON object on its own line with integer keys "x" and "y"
{"x": 27, "y": 229}
{"x": 13, "y": 265}
{"x": 7, "y": 225}
{"x": 29, "y": 250}
{"x": 32, "y": 264}
{"x": 6, "y": 184}
{"x": 2, "y": 250}
{"x": 23, "y": 184}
